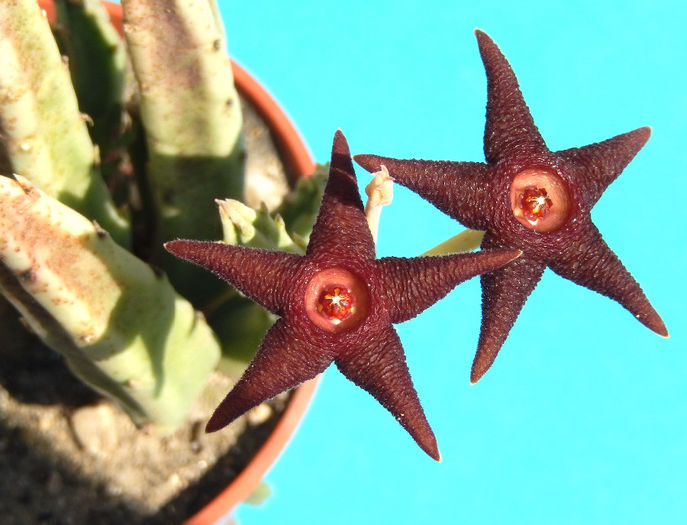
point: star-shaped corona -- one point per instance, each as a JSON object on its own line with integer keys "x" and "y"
{"x": 336, "y": 304}
{"x": 528, "y": 197}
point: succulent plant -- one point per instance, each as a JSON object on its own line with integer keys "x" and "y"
{"x": 110, "y": 147}
{"x": 337, "y": 303}
{"x": 128, "y": 157}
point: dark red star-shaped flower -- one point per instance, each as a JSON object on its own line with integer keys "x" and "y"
{"x": 337, "y": 304}
{"x": 529, "y": 198}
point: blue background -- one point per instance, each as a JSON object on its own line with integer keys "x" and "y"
{"x": 582, "y": 417}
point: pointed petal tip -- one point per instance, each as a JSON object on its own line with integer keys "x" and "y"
{"x": 483, "y": 39}
{"x": 182, "y": 247}
{"x": 431, "y": 449}
{"x": 648, "y": 316}
{"x": 514, "y": 254}
{"x": 656, "y": 325}
{"x": 173, "y": 246}
{"x": 639, "y": 136}
{"x": 498, "y": 258}
{"x": 478, "y": 370}
{"x": 368, "y": 162}
{"x": 645, "y": 134}
{"x": 214, "y": 424}
{"x": 340, "y": 144}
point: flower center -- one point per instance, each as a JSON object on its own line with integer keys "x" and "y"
{"x": 539, "y": 200}
{"x": 336, "y": 303}
{"x": 336, "y": 300}
{"x": 535, "y": 203}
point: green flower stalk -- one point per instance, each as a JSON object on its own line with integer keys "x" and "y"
{"x": 465, "y": 241}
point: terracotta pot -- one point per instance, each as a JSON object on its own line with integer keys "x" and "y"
{"x": 299, "y": 163}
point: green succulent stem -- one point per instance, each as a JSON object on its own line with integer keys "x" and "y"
{"x": 120, "y": 326}
{"x": 45, "y": 135}
{"x": 97, "y": 62}
{"x": 300, "y": 207}
{"x": 192, "y": 119}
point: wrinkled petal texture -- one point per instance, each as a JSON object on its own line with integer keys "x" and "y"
{"x": 340, "y": 262}
{"x": 482, "y": 196}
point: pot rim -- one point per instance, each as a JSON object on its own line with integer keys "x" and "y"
{"x": 299, "y": 163}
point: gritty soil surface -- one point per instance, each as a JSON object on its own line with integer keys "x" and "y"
{"x": 68, "y": 456}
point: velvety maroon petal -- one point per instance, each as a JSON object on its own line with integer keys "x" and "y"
{"x": 592, "y": 264}
{"x": 282, "y": 362}
{"x": 341, "y": 223}
{"x": 597, "y": 165}
{"x": 480, "y": 196}
{"x": 510, "y": 128}
{"x": 504, "y": 293}
{"x": 379, "y": 366}
{"x": 264, "y": 276}
{"x": 459, "y": 189}
{"x": 412, "y": 285}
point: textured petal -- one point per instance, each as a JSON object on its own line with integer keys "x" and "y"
{"x": 592, "y": 264}
{"x": 282, "y": 362}
{"x": 597, "y": 165}
{"x": 510, "y": 128}
{"x": 504, "y": 293}
{"x": 380, "y": 368}
{"x": 264, "y": 276}
{"x": 414, "y": 284}
{"x": 459, "y": 189}
{"x": 341, "y": 224}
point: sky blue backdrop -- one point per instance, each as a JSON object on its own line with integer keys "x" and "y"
{"x": 582, "y": 418}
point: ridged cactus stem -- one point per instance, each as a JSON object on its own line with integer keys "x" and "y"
{"x": 192, "y": 119}
{"x": 97, "y": 61}
{"x": 45, "y": 135}
{"x": 120, "y": 326}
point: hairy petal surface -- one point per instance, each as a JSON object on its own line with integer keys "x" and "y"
{"x": 380, "y": 368}
{"x": 597, "y": 165}
{"x": 593, "y": 264}
{"x": 262, "y": 275}
{"x": 510, "y": 128}
{"x": 282, "y": 362}
{"x": 414, "y": 284}
{"x": 504, "y": 293}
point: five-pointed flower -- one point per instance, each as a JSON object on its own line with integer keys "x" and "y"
{"x": 528, "y": 197}
{"x": 337, "y": 304}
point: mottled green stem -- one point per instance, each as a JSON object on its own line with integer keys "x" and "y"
{"x": 97, "y": 62}
{"x": 192, "y": 120}
{"x": 301, "y": 206}
{"x": 45, "y": 135}
{"x": 240, "y": 324}
{"x": 119, "y": 325}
